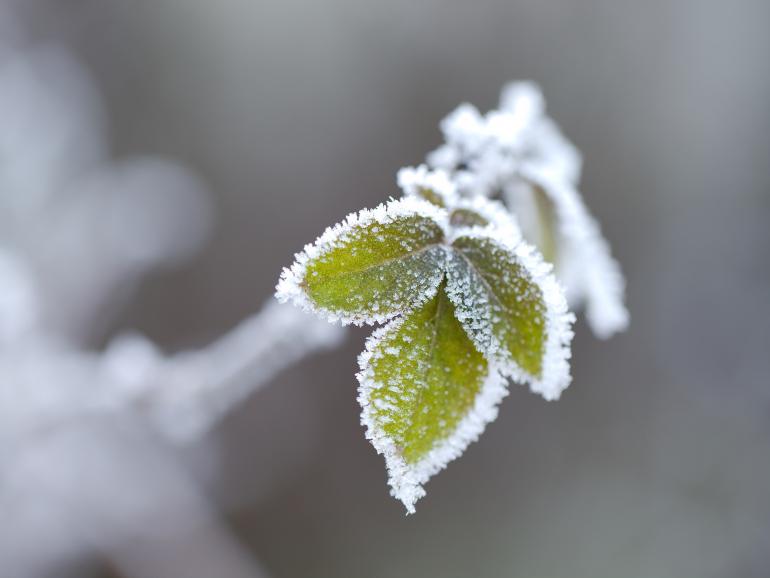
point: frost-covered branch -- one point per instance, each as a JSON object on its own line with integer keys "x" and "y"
{"x": 468, "y": 299}
{"x": 186, "y": 394}
{"x": 518, "y": 154}
{"x": 78, "y": 232}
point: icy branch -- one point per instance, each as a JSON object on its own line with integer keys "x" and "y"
{"x": 78, "y": 231}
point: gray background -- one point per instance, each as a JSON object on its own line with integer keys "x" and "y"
{"x": 655, "y": 463}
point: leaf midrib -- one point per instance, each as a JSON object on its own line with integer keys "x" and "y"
{"x": 484, "y": 281}
{"x": 431, "y": 356}
{"x": 494, "y": 295}
{"x": 381, "y": 263}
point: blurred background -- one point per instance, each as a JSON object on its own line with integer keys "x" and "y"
{"x": 281, "y": 118}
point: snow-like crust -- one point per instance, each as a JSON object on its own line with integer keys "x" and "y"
{"x": 489, "y": 154}
{"x": 590, "y": 271}
{"x": 406, "y": 480}
{"x": 543, "y": 138}
{"x": 523, "y": 99}
{"x": 412, "y": 179}
{"x": 485, "y": 156}
{"x": 494, "y": 146}
{"x": 500, "y": 219}
{"x": 555, "y": 373}
{"x": 289, "y": 288}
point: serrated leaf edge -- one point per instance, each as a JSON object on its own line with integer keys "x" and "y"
{"x": 289, "y": 288}
{"x": 600, "y": 285}
{"x": 555, "y": 374}
{"x": 406, "y": 480}
{"x": 412, "y": 179}
{"x": 502, "y": 222}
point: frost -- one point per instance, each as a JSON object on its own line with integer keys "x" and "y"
{"x": 476, "y": 211}
{"x": 186, "y": 394}
{"x": 514, "y": 309}
{"x": 507, "y": 151}
{"x": 585, "y": 264}
{"x": 433, "y": 186}
{"x": 428, "y": 421}
{"x": 486, "y": 310}
{"x": 373, "y": 265}
{"x": 468, "y": 302}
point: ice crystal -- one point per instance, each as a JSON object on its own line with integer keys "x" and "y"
{"x": 468, "y": 299}
{"x": 517, "y": 153}
{"x": 468, "y": 304}
{"x": 436, "y": 399}
{"x": 371, "y": 266}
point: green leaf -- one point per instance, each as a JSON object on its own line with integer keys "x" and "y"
{"x": 547, "y": 240}
{"x": 500, "y": 303}
{"x": 583, "y": 259}
{"x": 467, "y": 218}
{"x": 431, "y": 196}
{"x": 426, "y": 393}
{"x": 432, "y": 186}
{"x": 372, "y": 266}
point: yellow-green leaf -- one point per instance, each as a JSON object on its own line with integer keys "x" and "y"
{"x": 509, "y": 302}
{"x": 426, "y": 393}
{"x": 372, "y": 266}
{"x": 467, "y": 218}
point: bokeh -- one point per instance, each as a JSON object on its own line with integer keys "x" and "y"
{"x": 249, "y": 127}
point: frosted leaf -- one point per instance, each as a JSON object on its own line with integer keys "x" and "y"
{"x": 372, "y": 266}
{"x": 536, "y": 215}
{"x": 432, "y": 186}
{"x": 477, "y": 212}
{"x": 462, "y": 217}
{"x": 550, "y": 146}
{"x": 465, "y": 129}
{"x": 445, "y": 157}
{"x": 486, "y": 152}
{"x": 544, "y": 139}
{"x": 478, "y": 150}
{"x": 426, "y": 393}
{"x": 584, "y": 261}
{"x": 523, "y": 100}
{"x": 436, "y": 187}
{"x": 520, "y": 153}
{"x": 431, "y": 378}
{"x": 468, "y": 300}
{"x": 509, "y": 302}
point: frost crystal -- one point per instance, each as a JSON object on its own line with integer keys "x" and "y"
{"x": 518, "y": 154}
{"x": 469, "y": 303}
{"x": 372, "y": 265}
{"x": 469, "y": 299}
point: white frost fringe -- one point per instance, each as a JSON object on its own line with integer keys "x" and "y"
{"x": 406, "y": 480}
{"x": 484, "y": 155}
{"x": 289, "y": 287}
{"x": 555, "y": 374}
{"x": 488, "y": 154}
{"x": 412, "y": 179}
{"x": 589, "y": 271}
